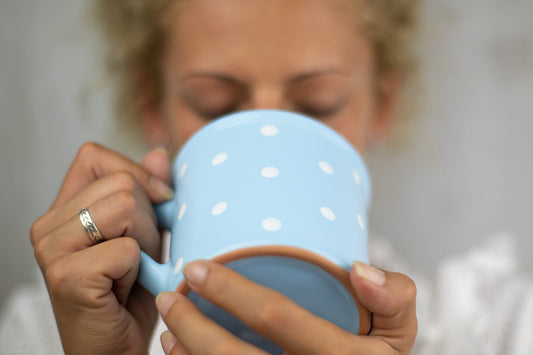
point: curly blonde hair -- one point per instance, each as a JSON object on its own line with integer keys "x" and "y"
{"x": 134, "y": 34}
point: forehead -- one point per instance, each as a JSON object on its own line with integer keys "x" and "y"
{"x": 284, "y": 33}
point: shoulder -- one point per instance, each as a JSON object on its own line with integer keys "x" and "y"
{"x": 477, "y": 302}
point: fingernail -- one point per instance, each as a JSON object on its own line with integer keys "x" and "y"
{"x": 164, "y": 301}
{"x": 161, "y": 188}
{"x": 168, "y": 341}
{"x": 163, "y": 149}
{"x": 195, "y": 273}
{"x": 370, "y": 273}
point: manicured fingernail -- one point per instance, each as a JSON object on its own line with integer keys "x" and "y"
{"x": 168, "y": 341}
{"x": 161, "y": 188}
{"x": 164, "y": 301}
{"x": 370, "y": 273}
{"x": 195, "y": 273}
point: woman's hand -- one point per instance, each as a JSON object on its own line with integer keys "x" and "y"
{"x": 389, "y": 296}
{"x": 97, "y": 305}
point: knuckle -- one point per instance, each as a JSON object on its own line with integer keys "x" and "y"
{"x": 37, "y": 229}
{"x": 410, "y": 289}
{"x": 125, "y": 201}
{"x": 64, "y": 284}
{"x": 407, "y": 288}
{"x": 272, "y": 312}
{"x": 88, "y": 149}
{"x": 406, "y": 301}
{"x": 129, "y": 248}
{"x": 41, "y": 249}
{"x": 56, "y": 275}
{"x": 124, "y": 180}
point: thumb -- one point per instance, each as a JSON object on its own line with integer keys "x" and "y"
{"x": 391, "y": 297}
{"x": 157, "y": 162}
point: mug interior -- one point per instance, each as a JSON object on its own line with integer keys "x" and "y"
{"x": 310, "y": 280}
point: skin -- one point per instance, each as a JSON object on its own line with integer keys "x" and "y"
{"x": 305, "y": 56}
{"x": 300, "y": 55}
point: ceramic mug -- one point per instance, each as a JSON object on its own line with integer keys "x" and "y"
{"x": 280, "y": 198}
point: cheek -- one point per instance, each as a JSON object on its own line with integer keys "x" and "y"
{"x": 181, "y": 124}
{"x": 352, "y": 131}
{"x": 355, "y": 123}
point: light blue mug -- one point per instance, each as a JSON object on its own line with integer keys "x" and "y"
{"x": 280, "y": 198}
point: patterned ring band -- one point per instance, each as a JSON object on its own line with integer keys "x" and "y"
{"x": 90, "y": 227}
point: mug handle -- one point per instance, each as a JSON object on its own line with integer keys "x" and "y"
{"x": 153, "y": 276}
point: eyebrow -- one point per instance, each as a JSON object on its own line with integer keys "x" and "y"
{"x": 212, "y": 75}
{"x": 230, "y": 79}
{"x": 318, "y": 72}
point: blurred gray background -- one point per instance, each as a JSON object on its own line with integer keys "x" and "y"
{"x": 464, "y": 176}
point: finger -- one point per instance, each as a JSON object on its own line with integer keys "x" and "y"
{"x": 197, "y": 333}
{"x": 141, "y": 305}
{"x": 158, "y": 163}
{"x": 121, "y": 181}
{"x": 391, "y": 297}
{"x": 115, "y": 216}
{"x": 266, "y": 311}
{"x": 90, "y": 276}
{"x": 170, "y": 344}
{"x": 89, "y": 284}
{"x": 94, "y": 161}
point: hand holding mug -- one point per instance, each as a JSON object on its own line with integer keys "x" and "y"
{"x": 97, "y": 304}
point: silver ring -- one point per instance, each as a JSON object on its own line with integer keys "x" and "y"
{"x": 90, "y": 227}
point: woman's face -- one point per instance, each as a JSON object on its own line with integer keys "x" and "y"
{"x": 307, "y": 56}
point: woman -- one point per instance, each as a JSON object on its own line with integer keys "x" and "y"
{"x": 184, "y": 63}
{"x": 207, "y": 59}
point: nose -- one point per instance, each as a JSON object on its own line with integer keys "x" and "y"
{"x": 269, "y": 97}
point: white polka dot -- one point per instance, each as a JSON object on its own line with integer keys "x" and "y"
{"x": 327, "y": 213}
{"x": 270, "y": 172}
{"x": 269, "y": 130}
{"x": 219, "y": 208}
{"x": 182, "y": 170}
{"x": 219, "y": 158}
{"x": 179, "y": 265}
{"x": 271, "y": 224}
{"x": 361, "y": 222}
{"x": 182, "y": 211}
{"x": 326, "y": 167}
{"x": 356, "y": 177}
